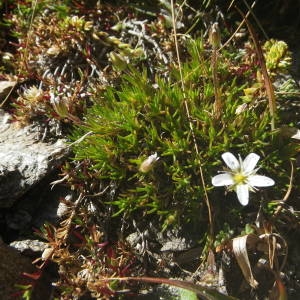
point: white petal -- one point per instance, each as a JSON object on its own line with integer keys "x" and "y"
{"x": 259, "y": 180}
{"x": 242, "y": 192}
{"x": 231, "y": 160}
{"x": 222, "y": 179}
{"x": 250, "y": 162}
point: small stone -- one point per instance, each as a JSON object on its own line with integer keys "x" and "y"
{"x": 29, "y": 247}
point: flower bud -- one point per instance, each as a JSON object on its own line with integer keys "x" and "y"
{"x": 148, "y": 163}
{"x": 118, "y": 27}
{"x": 215, "y": 36}
{"x": 47, "y": 253}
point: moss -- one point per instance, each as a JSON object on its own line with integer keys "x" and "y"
{"x": 143, "y": 116}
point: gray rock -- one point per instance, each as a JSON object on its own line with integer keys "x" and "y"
{"x": 24, "y": 161}
{"x": 5, "y": 88}
{"x": 18, "y": 219}
{"x": 176, "y": 239}
{"x": 13, "y": 266}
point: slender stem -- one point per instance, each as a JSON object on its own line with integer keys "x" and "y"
{"x": 218, "y": 101}
{"x": 210, "y": 218}
{"x": 268, "y": 84}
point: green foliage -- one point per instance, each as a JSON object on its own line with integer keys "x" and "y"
{"x": 142, "y": 117}
{"x": 32, "y": 7}
{"x": 187, "y": 295}
{"x": 67, "y": 54}
{"x": 277, "y": 55}
{"x": 26, "y": 291}
{"x": 223, "y": 235}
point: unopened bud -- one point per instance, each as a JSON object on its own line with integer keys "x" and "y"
{"x": 215, "y": 36}
{"x": 47, "y": 253}
{"x": 148, "y": 163}
{"x": 118, "y": 27}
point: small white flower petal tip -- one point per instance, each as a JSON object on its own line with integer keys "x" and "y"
{"x": 148, "y": 163}
{"x": 241, "y": 176}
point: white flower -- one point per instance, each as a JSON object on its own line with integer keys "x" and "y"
{"x": 33, "y": 94}
{"x": 148, "y": 163}
{"x": 241, "y": 176}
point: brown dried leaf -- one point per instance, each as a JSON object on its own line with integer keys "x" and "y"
{"x": 296, "y": 135}
{"x": 239, "y": 247}
{"x": 290, "y": 132}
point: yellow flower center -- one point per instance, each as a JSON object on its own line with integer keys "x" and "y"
{"x": 239, "y": 178}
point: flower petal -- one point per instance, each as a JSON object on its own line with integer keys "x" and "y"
{"x": 242, "y": 192}
{"x": 231, "y": 160}
{"x": 259, "y": 180}
{"x": 222, "y": 179}
{"x": 250, "y": 162}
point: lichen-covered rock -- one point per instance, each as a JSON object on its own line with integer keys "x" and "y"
{"x": 24, "y": 160}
